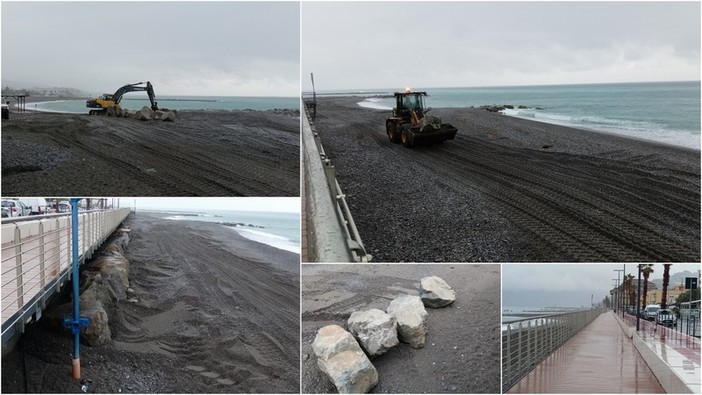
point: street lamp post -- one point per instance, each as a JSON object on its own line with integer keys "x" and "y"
{"x": 638, "y": 300}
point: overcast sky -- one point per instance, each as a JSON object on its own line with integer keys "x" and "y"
{"x": 268, "y": 204}
{"x": 369, "y": 45}
{"x": 534, "y": 285}
{"x": 183, "y": 48}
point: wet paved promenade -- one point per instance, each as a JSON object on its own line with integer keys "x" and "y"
{"x": 599, "y": 359}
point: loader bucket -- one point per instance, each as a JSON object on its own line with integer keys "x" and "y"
{"x": 430, "y": 135}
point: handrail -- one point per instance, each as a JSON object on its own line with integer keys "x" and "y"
{"x": 524, "y": 346}
{"x": 36, "y": 254}
{"x": 334, "y": 235}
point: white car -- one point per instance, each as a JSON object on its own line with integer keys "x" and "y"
{"x": 37, "y": 205}
{"x": 15, "y": 208}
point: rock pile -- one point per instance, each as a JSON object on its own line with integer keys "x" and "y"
{"x": 104, "y": 281}
{"x": 145, "y": 114}
{"x": 338, "y": 352}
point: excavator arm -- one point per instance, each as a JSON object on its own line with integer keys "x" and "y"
{"x": 117, "y": 97}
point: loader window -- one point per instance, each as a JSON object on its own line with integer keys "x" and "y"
{"x": 410, "y": 102}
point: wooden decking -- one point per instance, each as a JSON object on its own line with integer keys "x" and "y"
{"x": 599, "y": 359}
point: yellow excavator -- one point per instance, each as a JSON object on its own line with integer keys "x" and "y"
{"x": 107, "y": 100}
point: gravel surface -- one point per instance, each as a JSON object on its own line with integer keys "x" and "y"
{"x": 202, "y": 153}
{"x": 462, "y": 349}
{"x": 215, "y": 313}
{"x": 512, "y": 190}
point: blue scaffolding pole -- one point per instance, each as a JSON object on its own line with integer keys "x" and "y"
{"x": 77, "y": 322}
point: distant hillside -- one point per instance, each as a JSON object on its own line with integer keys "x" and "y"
{"x": 675, "y": 279}
{"x": 19, "y": 88}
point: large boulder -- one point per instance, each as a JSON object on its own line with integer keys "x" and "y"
{"x": 411, "y": 319}
{"x": 114, "y": 270}
{"x": 144, "y": 114}
{"x": 157, "y": 115}
{"x": 374, "y": 329}
{"x": 435, "y": 292}
{"x": 98, "y": 331}
{"x": 340, "y": 357}
{"x": 169, "y": 116}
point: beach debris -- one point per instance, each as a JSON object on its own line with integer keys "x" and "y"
{"x": 435, "y": 292}
{"x": 375, "y": 330}
{"x": 546, "y": 146}
{"x": 411, "y": 318}
{"x": 341, "y": 358}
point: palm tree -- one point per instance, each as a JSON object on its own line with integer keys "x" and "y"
{"x": 666, "y": 281}
{"x": 646, "y": 270}
{"x": 628, "y": 291}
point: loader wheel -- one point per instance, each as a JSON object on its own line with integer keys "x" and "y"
{"x": 391, "y": 128}
{"x": 405, "y": 137}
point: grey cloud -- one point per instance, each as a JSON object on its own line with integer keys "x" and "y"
{"x": 366, "y": 45}
{"x": 92, "y": 45}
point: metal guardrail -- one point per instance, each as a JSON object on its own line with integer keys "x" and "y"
{"x": 528, "y": 341}
{"x": 334, "y": 235}
{"x": 36, "y": 256}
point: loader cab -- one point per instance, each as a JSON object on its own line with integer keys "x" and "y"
{"x": 407, "y": 102}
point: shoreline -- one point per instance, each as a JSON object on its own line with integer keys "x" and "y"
{"x": 44, "y": 100}
{"x": 565, "y": 125}
{"x": 268, "y": 239}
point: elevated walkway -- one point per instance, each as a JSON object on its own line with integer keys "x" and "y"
{"x": 36, "y": 260}
{"x": 601, "y": 358}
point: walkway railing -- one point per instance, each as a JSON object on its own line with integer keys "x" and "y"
{"x": 332, "y": 234}
{"x": 528, "y": 341}
{"x": 36, "y": 256}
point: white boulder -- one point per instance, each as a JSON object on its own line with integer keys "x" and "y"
{"x": 374, "y": 329}
{"x": 411, "y": 319}
{"x": 340, "y": 357}
{"x": 436, "y": 293}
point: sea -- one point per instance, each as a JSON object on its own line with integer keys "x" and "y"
{"x": 279, "y": 230}
{"x": 516, "y": 315}
{"x": 177, "y": 103}
{"x": 666, "y": 112}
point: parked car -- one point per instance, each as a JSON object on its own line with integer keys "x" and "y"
{"x": 651, "y": 312}
{"x": 666, "y": 317}
{"x": 37, "y": 205}
{"x": 15, "y": 208}
{"x": 64, "y": 207}
{"x": 5, "y": 111}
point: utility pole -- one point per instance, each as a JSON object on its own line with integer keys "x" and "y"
{"x": 620, "y": 289}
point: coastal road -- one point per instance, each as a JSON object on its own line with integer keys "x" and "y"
{"x": 202, "y": 153}
{"x": 513, "y": 190}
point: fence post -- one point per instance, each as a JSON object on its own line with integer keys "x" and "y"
{"x": 18, "y": 267}
{"x": 42, "y": 274}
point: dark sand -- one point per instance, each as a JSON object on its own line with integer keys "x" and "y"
{"x": 213, "y": 316}
{"x": 462, "y": 350}
{"x": 496, "y": 194}
{"x": 202, "y": 153}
